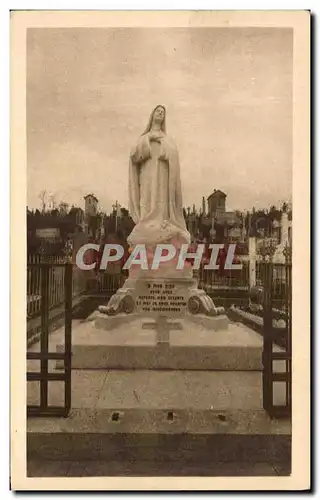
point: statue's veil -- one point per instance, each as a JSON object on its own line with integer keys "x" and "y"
{"x": 140, "y": 154}
{"x": 163, "y": 125}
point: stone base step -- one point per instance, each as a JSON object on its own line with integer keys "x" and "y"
{"x": 177, "y": 436}
{"x": 164, "y": 357}
{"x": 191, "y": 347}
{"x": 151, "y": 468}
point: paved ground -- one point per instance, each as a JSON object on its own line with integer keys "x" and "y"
{"x": 102, "y": 392}
{"x": 55, "y": 468}
{"x": 159, "y": 389}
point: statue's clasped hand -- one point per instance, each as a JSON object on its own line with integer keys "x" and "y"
{"x": 154, "y": 137}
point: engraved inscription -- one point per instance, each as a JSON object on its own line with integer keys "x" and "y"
{"x": 161, "y": 298}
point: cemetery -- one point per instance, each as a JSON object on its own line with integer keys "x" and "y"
{"x": 182, "y": 375}
{"x": 165, "y": 370}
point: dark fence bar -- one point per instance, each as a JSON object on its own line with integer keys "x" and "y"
{"x": 68, "y": 337}
{"x": 44, "y": 339}
{"x": 283, "y": 356}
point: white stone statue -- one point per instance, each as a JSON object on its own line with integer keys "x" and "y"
{"x": 155, "y": 204}
{"x": 155, "y": 199}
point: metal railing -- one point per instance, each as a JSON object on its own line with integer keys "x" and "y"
{"x": 277, "y": 330}
{"x": 278, "y": 283}
{"x": 44, "y": 376}
{"x": 226, "y": 287}
{"x": 225, "y": 278}
{"x": 56, "y": 282}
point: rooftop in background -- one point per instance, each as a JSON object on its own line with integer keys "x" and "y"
{"x": 217, "y": 192}
{"x": 92, "y": 196}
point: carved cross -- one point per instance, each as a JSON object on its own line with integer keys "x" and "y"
{"x": 162, "y": 328}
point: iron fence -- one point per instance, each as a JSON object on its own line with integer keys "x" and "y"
{"x": 278, "y": 284}
{"x": 105, "y": 283}
{"x": 56, "y": 283}
{"x": 225, "y": 278}
{"x": 277, "y": 337}
{"x": 44, "y": 376}
{"x": 226, "y": 287}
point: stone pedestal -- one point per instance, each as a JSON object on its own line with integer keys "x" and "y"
{"x": 169, "y": 290}
{"x": 156, "y": 296}
{"x": 150, "y": 307}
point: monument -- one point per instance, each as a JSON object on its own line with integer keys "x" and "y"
{"x": 160, "y": 319}
{"x": 155, "y": 204}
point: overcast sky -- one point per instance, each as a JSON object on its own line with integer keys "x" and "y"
{"x": 228, "y": 94}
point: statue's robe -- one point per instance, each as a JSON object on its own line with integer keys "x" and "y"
{"x": 155, "y": 199}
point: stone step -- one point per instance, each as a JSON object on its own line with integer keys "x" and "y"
{"x": 164, "y": 357}
{"x": 192, "y": 347}
{"x": 180, "y": 436}
{"x": 109, "y": 468}
{"x": 159, "y": 416}
{"x": 139, "y": 415}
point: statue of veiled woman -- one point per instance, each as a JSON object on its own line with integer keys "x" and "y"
{"x": 155, "y": 199}
{"x": 155, "y": 204}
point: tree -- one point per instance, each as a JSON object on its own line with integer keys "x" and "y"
{"x": 274, "y": 214}
{"x": 273, "y": 208}
{"x": 124, "y": 212}
{"x": 63, "y": 208}
{"x": 43, "y": 198}
{"x": 52, "y": 203}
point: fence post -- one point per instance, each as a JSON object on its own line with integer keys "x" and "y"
{"x": 267, "y": 252}
{"x": 44, "y": 339}
{"x": 267, "y": 271}
{"x": 68, "y": 328}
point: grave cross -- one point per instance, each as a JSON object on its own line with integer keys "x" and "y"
{"x": 162, "y": 328}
